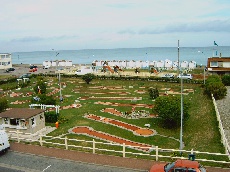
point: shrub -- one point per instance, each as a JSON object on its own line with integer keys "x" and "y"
{"x": 226, "y": 80}
{"x": 153, "y": 93}
{"x": 215, "y": 86}
{"x": 51, "y": 117}
{"x": 3, "y": 104}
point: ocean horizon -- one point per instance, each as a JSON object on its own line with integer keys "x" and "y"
{"x": 87, "y": 56}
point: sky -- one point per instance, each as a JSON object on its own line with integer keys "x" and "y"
{"x": 43, "y": 25}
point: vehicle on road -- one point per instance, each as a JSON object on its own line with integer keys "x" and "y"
{"x": 180, "y": 165}
{"x": 168, "y": 75}
{"x": 10, "y": 69}
{"x": 26, "y": 75}
{"x": 32, "y": 67}
{"x": 84, "y": 70}
{"x": 4, "y": 141}
{"x": 185, "y": 76}
{"x": 46, "y": 67}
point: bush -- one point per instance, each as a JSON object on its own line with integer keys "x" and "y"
{"x": 153, "y": 93}
{"x": 215, "y": 86}
{"x": 51, "y": 117}
{"x": 44, "y": 99}
{"x": 3, "y": 104}
{"x": 226, "y": 80}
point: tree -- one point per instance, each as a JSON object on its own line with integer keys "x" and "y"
{"x": 88, "y": 77}
{"x": 168, "y": 109}
{"x": 3, "y": 104}
{"x": 40, "y": 87}
{"x": 153, "y": 93}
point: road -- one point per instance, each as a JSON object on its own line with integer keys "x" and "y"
{"x": 19, "y": 162}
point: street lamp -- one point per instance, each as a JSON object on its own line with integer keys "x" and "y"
{"x": 181, "y": 117}
{"x": 61, "y": 98}
{"x": 204, "y": 74}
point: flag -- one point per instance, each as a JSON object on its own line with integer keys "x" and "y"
{"x": 215, "y": 43}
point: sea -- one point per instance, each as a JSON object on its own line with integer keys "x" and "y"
{"x": 87, "y": 56}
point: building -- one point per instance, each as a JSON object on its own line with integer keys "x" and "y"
{"x": 23, "y": 119}
{"x": 5, "y": 61}
{"x": 219, "y": 65}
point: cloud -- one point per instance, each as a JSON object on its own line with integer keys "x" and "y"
{"x": 208, "y": 26}
{"x": 38, "y": 39}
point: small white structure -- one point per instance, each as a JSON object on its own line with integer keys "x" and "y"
{"x": 160, "y": 64}
{"x": 5, "y": 61}
{"x": 175, "y": 65}
{"x": 184, "y": 65}
{"x": 192, "y": 65}
{"x": 168, "y": 64}
{"x": 58, "y": 63}
{"x": 84, "y": 70}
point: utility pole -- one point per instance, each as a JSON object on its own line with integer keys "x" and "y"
{"x": 61, "y": 98}
{"x": 178, "y": 60}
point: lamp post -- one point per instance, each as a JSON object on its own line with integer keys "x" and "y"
{"x": 181, "y": 117}
{"x": 178, "y": 60}
{"x": 61, "y": 98}
{"x": 204, "y": 74}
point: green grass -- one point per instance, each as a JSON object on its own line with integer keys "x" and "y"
{"x": 200, "y": 132}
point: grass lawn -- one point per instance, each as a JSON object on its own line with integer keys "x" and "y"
{"x": 200, "y": 132}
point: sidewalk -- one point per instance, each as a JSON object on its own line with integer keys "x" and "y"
{"x": 92, "y": 158}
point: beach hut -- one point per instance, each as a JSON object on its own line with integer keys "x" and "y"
{"x": 138, "y": 64}
{"x": 124, "y": 63}
{"x": 175, "y": 65}
{"x": 160, "y": 64}
{"x": 168, "y": 64}
{"x": 145, "y": 64}
{"x": 184, "y": 65}
{"x": 192, "y": 65}
{"x": 131, "y": 64}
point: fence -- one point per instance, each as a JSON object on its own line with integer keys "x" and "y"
{"x": 122, "y": 149}
{"x": 224, "y": 139}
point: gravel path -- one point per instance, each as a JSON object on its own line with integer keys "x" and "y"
{"x": 224, "y": 111}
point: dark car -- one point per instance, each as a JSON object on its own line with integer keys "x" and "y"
{"x": 33, "y": 67}
{"x": 10, "y": 69}
{"x": 180, "y": 165}
{"x": 26, "y": 75}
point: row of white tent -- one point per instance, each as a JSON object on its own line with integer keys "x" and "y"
{"x": 146, "y": 64}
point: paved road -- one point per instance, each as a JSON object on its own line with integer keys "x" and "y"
{"x": 18, "y": 162}
{"x": 103, "y": 160}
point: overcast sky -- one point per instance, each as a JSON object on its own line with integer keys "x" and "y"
{"x": 33, "y": 25}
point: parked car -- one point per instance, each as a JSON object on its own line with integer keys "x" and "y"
{"x": 46, "y": 67}
{"x": 26, "y": 75}
{"x": 168, "y": 75}
{"x": 4, "y": 141}
{"x": 185, "y": 76}
{"x": 10, "y": 69}
{"x": 32, "y": 67}
{"x": 180, "y": 165}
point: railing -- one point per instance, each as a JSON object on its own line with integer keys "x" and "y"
{"x": 122, "y": 149}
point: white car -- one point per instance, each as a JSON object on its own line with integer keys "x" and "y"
{"x": 185, "y": 76}
{"x": 168, "y": 75}
{"x": 46, "y": 67}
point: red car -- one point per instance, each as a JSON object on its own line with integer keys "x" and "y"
{"x": 179, "y": 166}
